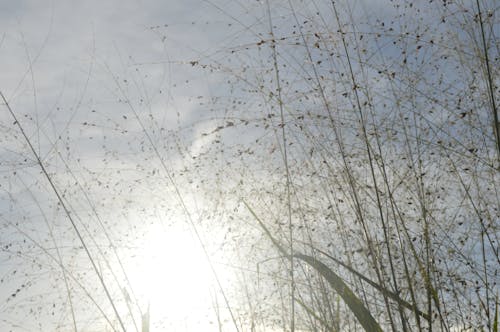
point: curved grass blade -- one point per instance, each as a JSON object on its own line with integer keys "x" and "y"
{"x": 372, "y": 283}
{"x": 363, "y": 315}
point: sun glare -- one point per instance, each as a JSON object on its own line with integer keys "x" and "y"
{"x": 172, "y": 278}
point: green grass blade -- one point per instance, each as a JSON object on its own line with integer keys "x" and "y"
{"x": 495, "y": 320}
{"x": 357, "y": 307}
{"x": 378, "y": 287}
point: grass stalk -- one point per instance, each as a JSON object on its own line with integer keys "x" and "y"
{"x": 180, "y": 197}
{"x": 287, "y": 169}
{"x": 355, "y": 88}
{"x": 66, "y": 211}
{"x": 490, "y": 83}
{"x": 356, "y": 306}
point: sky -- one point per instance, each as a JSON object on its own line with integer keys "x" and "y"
{"x": 67, "y": 65}
{"x": 125, "y": 103}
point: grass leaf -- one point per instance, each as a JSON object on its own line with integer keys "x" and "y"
{"x": 357, "y": 307}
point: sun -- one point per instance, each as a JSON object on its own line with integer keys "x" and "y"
{"x": 172, "y": 277}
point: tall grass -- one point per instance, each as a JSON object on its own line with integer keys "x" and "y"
{"x": 386, "y": 159}
{"x": 344, "y": 156}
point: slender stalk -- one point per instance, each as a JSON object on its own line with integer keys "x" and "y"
{"x": 66, "y": 210}
{"x": 59, "y": 256}
{"x": 287, "y": 170}
{"x": 392, "y": 295}
{"x": 180, "y": 197}
{"x": 357, "y": 307}
{"x": 369, "y": 154}
{"x": 489, "y": 79}
{"x": 68, "y": 274}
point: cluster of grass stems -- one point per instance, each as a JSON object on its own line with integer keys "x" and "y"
{"x": 365, "y": 196}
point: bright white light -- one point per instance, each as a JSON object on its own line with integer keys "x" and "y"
{"x": 172, "y": 275}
